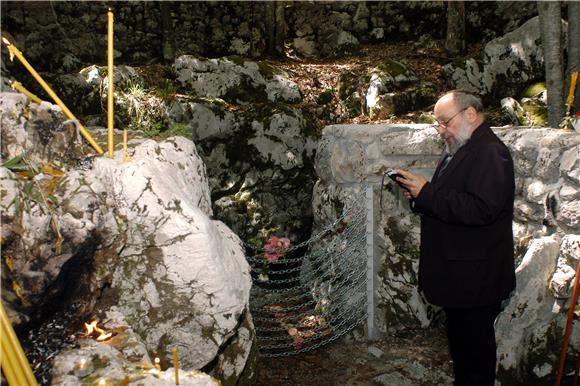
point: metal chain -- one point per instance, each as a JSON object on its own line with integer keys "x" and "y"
{"x": 345, "y": 280}
{"x": 326, "y": 230}
{"x": 314, "y": 346}
{"x": 300, "y": 315}
{"x": 314, "y": 256}
{"x": 273, "y": 329}
{"x": 307, "y": 277}
{"x": 336, "y": 270}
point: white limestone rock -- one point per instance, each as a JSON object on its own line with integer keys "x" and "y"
{"x": 305, "y": 47}
{"x": 183, "y": 278}
{"x": 508, "y": 61}
{"x": 569, "y": 213}
{"x": 525, "y": 328}
{"x": 8, "y": 195}
{"x": 346, "y": 41}
{"x": 174, "y": 275}
{"x": 239, "y": 46}
{"x": 378, "y": 34}
{"x": 561, "y": 283}
{"x": 351, "y": 153}
{"x": 513, "y": 109}
{"x": 46, "y": 223}
{"x": 236, "y": 364}
{"x": 467, "y": 77}
{"x": 282, "y": 142}
{"x": 121, "y": 358}
{"x": 394, "y": 89}
{"x": 239, "y": 81}
{"x": 570, "y": 164}
{"x": 257, "y": 159}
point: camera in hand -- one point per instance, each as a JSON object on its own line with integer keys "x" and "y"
{"x": 393, "y": 174}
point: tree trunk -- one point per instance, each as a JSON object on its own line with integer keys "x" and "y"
{"x": 166, "y": 32}
{"x": 455, "y": 40}
{"x": 281, "y": 26}
{"x": 551, "y": 32}
{"x": 270, "y": 23}
{"x": 574, "y": 46}
{"x": 276, "y": 27}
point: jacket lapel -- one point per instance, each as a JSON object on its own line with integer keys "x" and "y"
{"x": 456, "y": 160}
{"x": 438, "y": 168}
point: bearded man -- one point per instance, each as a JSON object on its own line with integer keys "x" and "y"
{"x": 466, "y": 262}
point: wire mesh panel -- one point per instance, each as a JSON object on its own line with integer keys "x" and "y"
{"x": 307, "y": 295}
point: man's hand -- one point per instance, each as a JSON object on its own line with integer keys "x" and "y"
{"x": 411, "y": 183}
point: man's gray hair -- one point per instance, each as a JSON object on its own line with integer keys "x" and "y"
{"x": 464, "y": 100}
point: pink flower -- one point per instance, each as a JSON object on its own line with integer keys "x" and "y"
{"x": 271, "y": 257}
{"x": 274, "y": 247}
{"x": 297, "y": 342}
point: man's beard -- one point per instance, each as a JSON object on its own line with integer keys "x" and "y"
{"x": 458, "y": 140}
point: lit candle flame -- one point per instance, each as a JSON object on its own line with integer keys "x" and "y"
{"x": 83, "y": 361}
{"x": 104, "y": 336}
{"x": 92, "y": 327}
{"x": 5, "y": 41}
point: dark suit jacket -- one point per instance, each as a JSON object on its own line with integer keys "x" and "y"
{"x": 466, "y": 226}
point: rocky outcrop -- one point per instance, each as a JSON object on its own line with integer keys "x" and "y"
{"x": 545, "y": 226}
{"x": 133, "y": 238}
{"x": 507, "y": 65}
{"x": 531, "y": 110}
{"x": 259, "y": 157}
{"x": 246, "y": 122}
{"x": 235, "y": 80}
{"x": 389, "y": 89}
{"x": 394, "y": 89}
{"x": 123, "y": 358}
{"x": 529, "y": 333}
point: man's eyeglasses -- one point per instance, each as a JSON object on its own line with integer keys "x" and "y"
{"x": 445, "y": 123}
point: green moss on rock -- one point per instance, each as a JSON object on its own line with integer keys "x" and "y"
{"x": 534, "y": 90}
{"x": 536, "y": 113}
{"x": 393, "y": 68}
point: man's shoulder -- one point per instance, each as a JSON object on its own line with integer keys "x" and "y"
{"x": 488, "y": 139}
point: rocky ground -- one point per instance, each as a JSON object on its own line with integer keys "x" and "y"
{"x": 314, "y": 77}
{"x": 414, "y": 357}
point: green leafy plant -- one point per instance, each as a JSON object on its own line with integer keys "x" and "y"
{"x": 33, "y": 191}
{"x": 181, "y": 129}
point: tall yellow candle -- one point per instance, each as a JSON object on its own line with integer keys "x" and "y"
{"x": 176, "y": 365}
{"x": 570, "y": 99}
{"x": 10, "y": 368}
{"x": 110, "y": 105}
{"x": 124, "y": 145}
{"x": 21, "y": 89}
{"x": 12, "y": 351}
{"x": 15, "y": 52}
{"x": 573, "y": 80}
